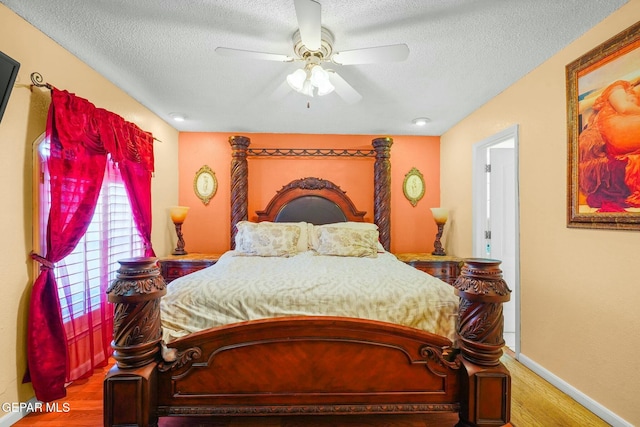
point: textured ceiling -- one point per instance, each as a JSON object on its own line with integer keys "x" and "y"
{"x": 462, "y": 53}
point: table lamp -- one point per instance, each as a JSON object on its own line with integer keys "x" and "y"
{"x": 178, "y": 215}
{"x": 440, "y": 215}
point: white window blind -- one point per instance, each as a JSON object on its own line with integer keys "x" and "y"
{"x": 85, "y": 274}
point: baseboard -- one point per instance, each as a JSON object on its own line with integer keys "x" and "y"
{"x": 11, "y": 417}
{"x": 575, "y": 394}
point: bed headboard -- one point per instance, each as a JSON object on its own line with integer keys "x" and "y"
{"x": 381, "y": 175}
{"x": 313, "y": 200}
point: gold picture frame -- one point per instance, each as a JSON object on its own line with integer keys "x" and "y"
{"x": 413, "y": 186}
{"x": 205, "y": 184}
{"x": 603, "y": 162}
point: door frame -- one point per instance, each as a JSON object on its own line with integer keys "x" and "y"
{"x": 479, "y": 209}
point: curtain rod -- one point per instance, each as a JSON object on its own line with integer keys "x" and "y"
{"x": 38, "y": 81}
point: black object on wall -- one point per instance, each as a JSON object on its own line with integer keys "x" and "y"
{"x": 8, "y": 72}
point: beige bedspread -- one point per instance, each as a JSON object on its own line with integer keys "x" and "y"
{"x": 239, "y": 288}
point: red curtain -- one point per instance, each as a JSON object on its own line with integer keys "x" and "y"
{"x": 136, "y": 181}
{"x": 80, "y": 136}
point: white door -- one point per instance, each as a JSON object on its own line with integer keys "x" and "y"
{"x": 501, "y": 225}
{"x": 496, "y": 217}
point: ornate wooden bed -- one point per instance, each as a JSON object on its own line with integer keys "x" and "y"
{"x": 307, "y": 365}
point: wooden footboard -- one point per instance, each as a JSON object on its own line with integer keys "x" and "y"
{"x": 307, "y": 365}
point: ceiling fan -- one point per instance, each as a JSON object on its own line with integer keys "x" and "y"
{"x": 313, "y": 45}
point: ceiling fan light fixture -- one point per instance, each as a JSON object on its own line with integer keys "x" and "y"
{"x": 307, "y": 88}
{"x": 320, "y": 79}
{"x": 305, "y": 81}
{"x": 318, "y": 75}
{"x": 297, "y": 79}
{"x": 325, "y": 88}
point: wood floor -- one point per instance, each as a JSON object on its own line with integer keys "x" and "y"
{"x": 534, "y": 403}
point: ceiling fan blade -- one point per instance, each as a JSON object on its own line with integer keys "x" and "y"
{"x": 308, "y": 13}
{"x": 344, "y": 89}
{"x": 371, "y": 55}
{"x": 239, "y": 53}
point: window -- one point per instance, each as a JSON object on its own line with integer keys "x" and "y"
{"x": 85, "y": 274}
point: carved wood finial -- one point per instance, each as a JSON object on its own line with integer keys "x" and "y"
{"x": 136, "y": 293}
{"x": 480, "y": 321}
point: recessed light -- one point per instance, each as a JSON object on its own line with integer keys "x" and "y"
{"x": 421, "y": 121}
{"x": 178, "y": 117}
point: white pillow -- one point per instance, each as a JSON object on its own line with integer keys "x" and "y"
{"x": 303, "y": 240}
{"x": 267, "y": 239}
{"x": 347, "y": 241}
{"x": 314, "y": 234}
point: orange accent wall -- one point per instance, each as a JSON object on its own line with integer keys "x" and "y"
{"x": 206, "y": 228}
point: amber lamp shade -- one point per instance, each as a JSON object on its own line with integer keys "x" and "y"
{"x": 440, "y": 215}
{"x": 178, "y": 215}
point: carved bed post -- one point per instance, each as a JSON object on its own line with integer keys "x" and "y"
{"x": 480, "y": 325}
{"x": 382, "y": 189}
{"x": 239, "y": 182}
{"x": 137, "y": 333}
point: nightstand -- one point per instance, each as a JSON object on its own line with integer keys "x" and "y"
{"x": 446, "y": 267}
{"x": 174, "y": 266}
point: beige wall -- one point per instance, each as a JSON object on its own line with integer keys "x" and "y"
{"x": 23, "y": 122}
{"x": 579, "y": 288}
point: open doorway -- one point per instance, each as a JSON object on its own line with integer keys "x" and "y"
{"x": 496, "y": 217}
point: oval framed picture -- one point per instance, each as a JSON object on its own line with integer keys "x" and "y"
{"x": 205, "y": 184}
{"x": 413, "y": 186}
